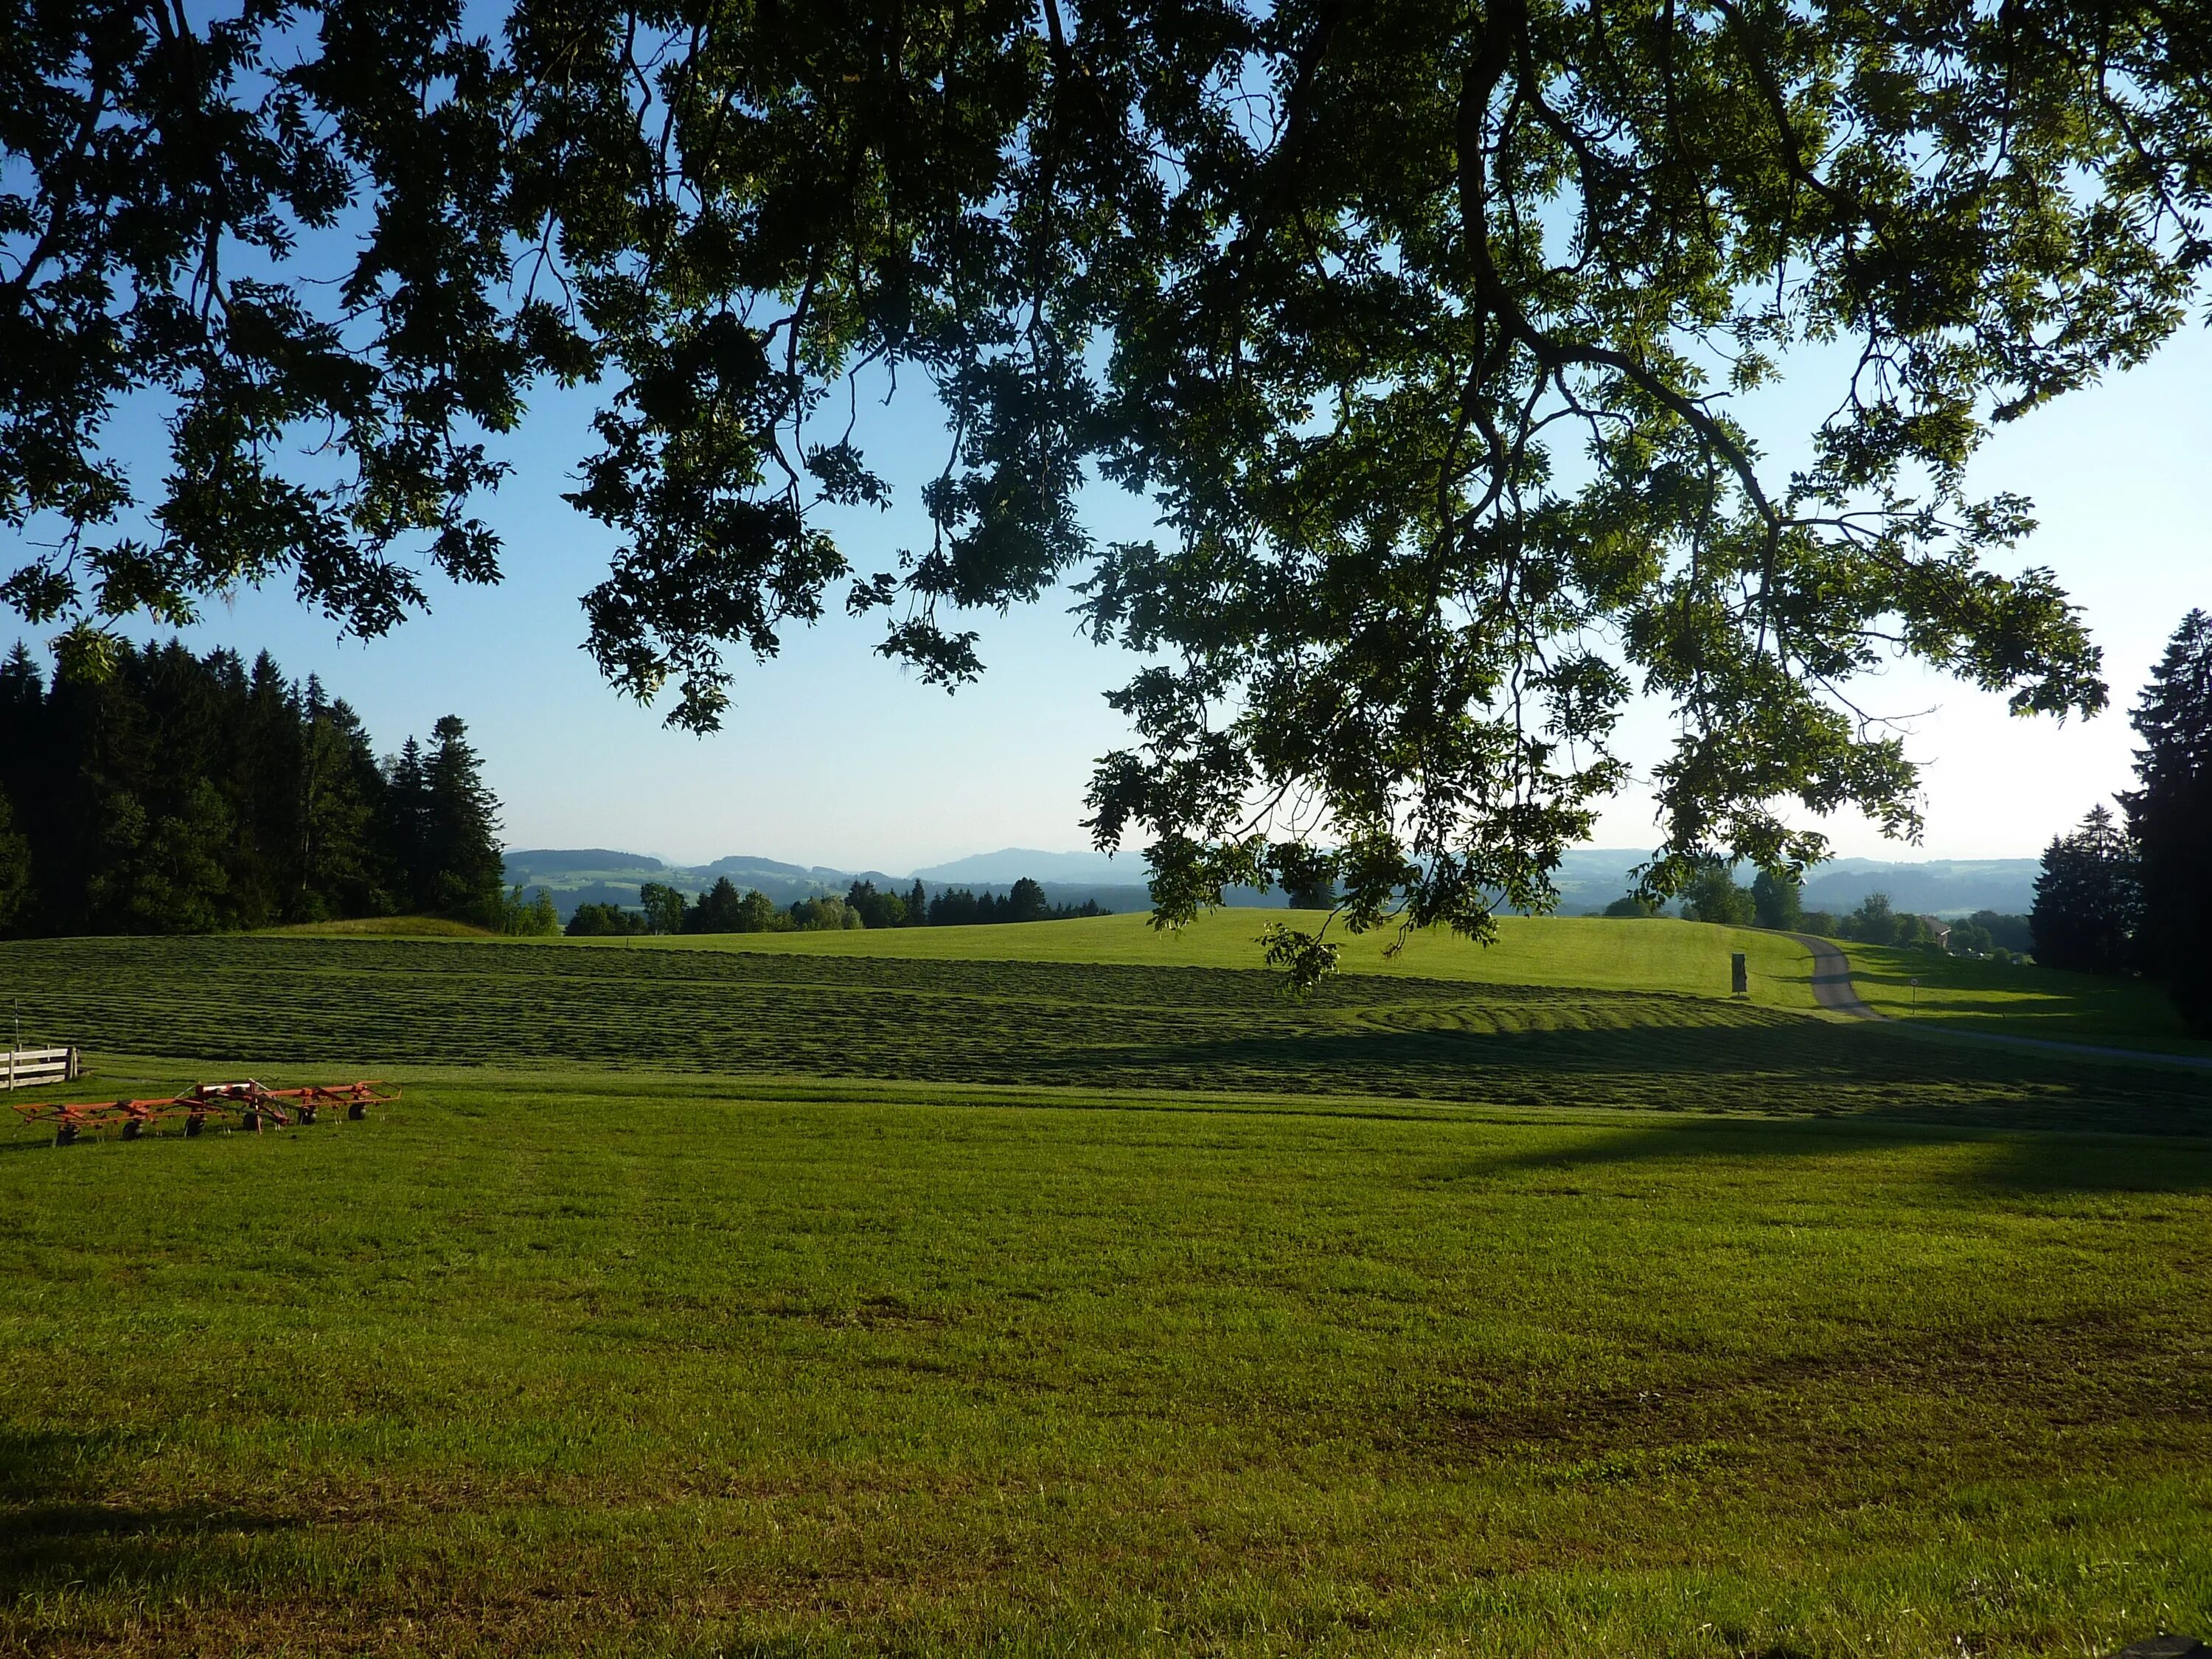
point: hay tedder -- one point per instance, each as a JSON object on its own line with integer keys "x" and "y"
{"x": 248, "y": 1106}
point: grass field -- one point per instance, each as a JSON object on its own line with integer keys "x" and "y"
{"x": 382, "y": 927}
{"x": 1568, "y": 952}
{"x": 262, "y": 1001}
{"x": 2019, "y": 1002}
{"x": 790, "y": 1302}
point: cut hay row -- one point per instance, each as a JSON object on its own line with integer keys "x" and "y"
{"x": 308, "y": 1001}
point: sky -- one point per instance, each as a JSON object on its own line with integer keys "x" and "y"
{"x": 833, "y": 755}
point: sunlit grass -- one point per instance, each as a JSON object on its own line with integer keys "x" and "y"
{"x": 1655, "y": 954}
{"x": 383, "y": 927}
{"x": 579, "y": 1363}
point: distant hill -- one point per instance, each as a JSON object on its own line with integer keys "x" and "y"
{"x": 562, "y": 861}
{"x": 1589, "y": 878}
{"x": 1937, "y": 888}
{"x": 1011, "y": 864}
{"x": 746, "y": 871}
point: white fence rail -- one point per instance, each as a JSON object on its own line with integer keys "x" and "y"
{"x": 31, "y": 1068}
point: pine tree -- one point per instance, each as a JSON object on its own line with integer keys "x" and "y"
{"x": 720, "y": 910}
{"x": 462, "y": 863}
{"x": 170, "y": 792}
{"x": 269, "y": 742}
{"x": 917, "y": 905}
{"x": 2088, "y": 902}
{"x": 406, "y": 813}
{"x": 2170, "y": 817}
{"x": 14, "y": 870}
{"x": 348, "y": 866}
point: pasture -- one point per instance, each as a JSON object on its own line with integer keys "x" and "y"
{"x": 790, "y": 1302}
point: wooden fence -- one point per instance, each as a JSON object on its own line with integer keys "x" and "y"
{"x": 29, "y": 1068}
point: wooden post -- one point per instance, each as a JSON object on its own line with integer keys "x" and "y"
{"x": 1739, "y": 975}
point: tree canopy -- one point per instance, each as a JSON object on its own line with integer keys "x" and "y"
{"x": 1423, "y": 329}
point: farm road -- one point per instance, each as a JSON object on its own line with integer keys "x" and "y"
{"x": 1831, "y": 979}
{"x": 1834, "y": 990}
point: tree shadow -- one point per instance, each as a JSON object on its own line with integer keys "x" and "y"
{"x": 2046, "y": 1109}
{"x": 57, "y": 1527}
{"x": 2036, "y": 1161}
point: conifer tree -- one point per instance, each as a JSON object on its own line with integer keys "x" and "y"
{"x": 15, "y": 869}
{"x": 2170, "y": 817}
{"x": 348, "y": 868}
{"x": 167, "y": 792}
{"x": 463, "y": 868}
{"x": 406, "y": 813}
{"x": 2088, "y": 903}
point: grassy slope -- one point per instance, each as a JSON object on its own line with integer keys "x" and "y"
{"x": 1651, "y": 954}
{"x": 367, "y": 1004}
{"x": 620, "y": 1364}
{"x": 382, "y": 927}
{"x": 2019, "y": 1002}
{"x": 1655, "y": 954}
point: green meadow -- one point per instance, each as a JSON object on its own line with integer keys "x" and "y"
{"x": 817, "y": 1299}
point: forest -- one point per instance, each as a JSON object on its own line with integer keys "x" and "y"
{"x": 722, "y": 909}
{"x": 172, "y": 793}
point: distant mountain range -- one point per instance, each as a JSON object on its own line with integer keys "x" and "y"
{"x": 599, "y": 875}
{"x": 1589, "y": 878}
{"x": 1012, "y": 863}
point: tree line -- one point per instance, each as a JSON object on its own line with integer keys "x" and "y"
{"x": 722, "y": 909}
{"x": 2122, "y": 893}
{"x": 172, "y": 793}
{"x": 2132, "y": 893}
{"x": 1777, "y": 902}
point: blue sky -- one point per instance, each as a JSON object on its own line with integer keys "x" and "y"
{"x": 833, "y": 755}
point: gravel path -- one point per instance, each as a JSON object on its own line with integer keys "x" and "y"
{"x": 1834, "y": 990}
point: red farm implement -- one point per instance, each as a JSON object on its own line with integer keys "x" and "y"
{"x": 249, "y": 1106}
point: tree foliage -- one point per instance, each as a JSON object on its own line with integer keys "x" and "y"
{"x": 1421, "y": 330}
{"x": 1875, "y": 921}
{"x": 176, "y": 793}
{"x": 1777, "y": 900}
{"x": 608, "y": 921}
{"x": 2170, "y": 818}
{"x": 1713, "y": 894}
{"x": 2088, "y": 899}
{"x": 15, "y": 869}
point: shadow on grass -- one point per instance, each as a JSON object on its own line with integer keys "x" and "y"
{"x": 2025, "y": 1001}
{"x": 56, "y": 1529}
{"x": 2033, "y": 1161}
{"x": 1801, "y": 1068}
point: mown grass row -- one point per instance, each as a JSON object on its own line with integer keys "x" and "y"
{"x": 267, "y": 1001}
